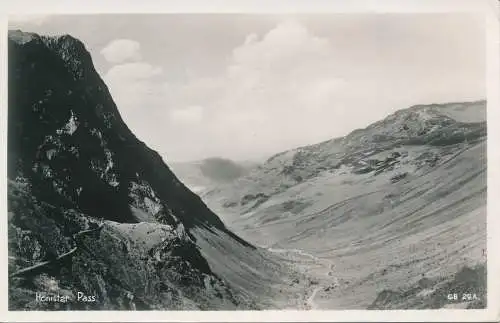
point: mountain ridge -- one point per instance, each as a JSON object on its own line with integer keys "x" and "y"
{"x": 74, "y": 166}
{"x": 481, "y": 102}
{"x": 431, "y": 125}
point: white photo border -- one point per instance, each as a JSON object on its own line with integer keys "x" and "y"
{"x": 488, "y": 8}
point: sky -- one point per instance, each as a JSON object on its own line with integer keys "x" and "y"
{"x": 245, "y": 87}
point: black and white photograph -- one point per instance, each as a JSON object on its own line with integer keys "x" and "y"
{"x": 247, "y": 162}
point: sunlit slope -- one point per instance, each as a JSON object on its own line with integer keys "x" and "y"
{"x": 386, "y": 212}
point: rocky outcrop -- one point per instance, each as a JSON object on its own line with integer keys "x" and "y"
{"x": 74, "y": 166}
{"x": 379, "y": 148}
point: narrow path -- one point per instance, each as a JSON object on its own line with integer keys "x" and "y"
{"x": 302, "y": 253}
{"x": 99, "y": 227}
{"x": 310, "y": 303}
{"x": 43, "y": 264}
{"x": 40, "y": 266}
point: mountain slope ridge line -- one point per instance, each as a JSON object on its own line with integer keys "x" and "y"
{"x": 70, "y": 170}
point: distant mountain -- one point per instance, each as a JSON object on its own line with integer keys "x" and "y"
{"x": 385, "y": 205}
{"x": 206, "y": 174}
{"x": 93, "y": 210}
{"x": 369, "y": 150}
{"x": 221, "y": 169}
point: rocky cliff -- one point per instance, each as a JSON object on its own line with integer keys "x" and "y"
{"x": 92, "y": 209}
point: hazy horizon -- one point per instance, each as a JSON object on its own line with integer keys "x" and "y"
{"x": 245, "y": 87}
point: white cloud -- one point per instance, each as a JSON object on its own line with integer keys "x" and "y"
{"x": 274, "y": 89}
{"x": 133, "y": 85}
{"x": 138, "y": 93}
{"x": 121, "y": 50}
{"x": 281, "y": 48}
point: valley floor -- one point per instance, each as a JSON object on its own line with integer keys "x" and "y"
{"x": 367, "y": 243}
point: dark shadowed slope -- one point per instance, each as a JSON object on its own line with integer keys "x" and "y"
{"x": 93, "y": 209}
{"x": 63, "y": 125}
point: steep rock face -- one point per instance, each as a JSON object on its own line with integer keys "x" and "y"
{"x": 79, "y": 183}
{"x": 64, "y": 127}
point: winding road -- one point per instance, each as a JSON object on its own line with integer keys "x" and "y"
{"x": 310, "y": 300}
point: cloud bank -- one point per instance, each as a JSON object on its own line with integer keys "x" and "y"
{"x": 275, "y": 89}
{"x": 285, "y": 88}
